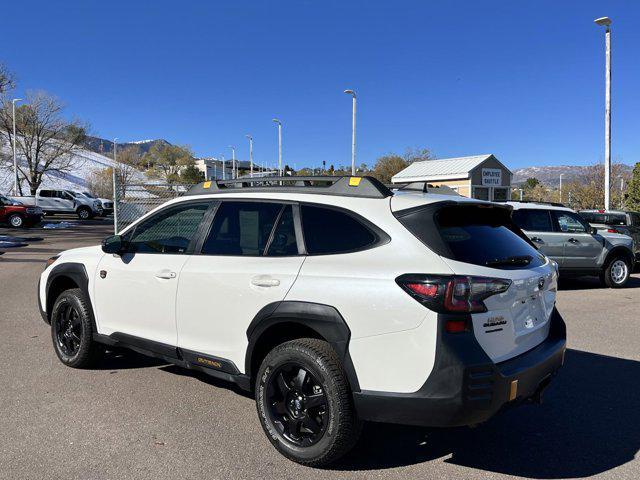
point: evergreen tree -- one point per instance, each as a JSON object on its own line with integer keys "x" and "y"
{"x": 632, "y": 200}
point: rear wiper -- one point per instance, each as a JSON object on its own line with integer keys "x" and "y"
{"x": 507, "y": 261}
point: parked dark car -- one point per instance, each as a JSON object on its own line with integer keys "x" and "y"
{"x": 616, "y": 221}
{"x": 17, "y": 215}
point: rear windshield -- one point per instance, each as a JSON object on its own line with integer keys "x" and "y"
{"x": 605, "y": 218}
{"x": 478, "y": 235}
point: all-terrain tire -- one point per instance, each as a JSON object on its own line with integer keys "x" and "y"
{"x": 341, "y": 428}
{"x": 88, "y": 352}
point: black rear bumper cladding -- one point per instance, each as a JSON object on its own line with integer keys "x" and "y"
{"x": 465, "y": 386}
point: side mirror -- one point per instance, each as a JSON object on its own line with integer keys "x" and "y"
{"x": 593, "y": 230}
{"x": 112, "y": 244}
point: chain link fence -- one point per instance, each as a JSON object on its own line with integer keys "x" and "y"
{"x": 132, "y": 201}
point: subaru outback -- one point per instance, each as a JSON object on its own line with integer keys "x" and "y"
{"x": 333, "y": 299}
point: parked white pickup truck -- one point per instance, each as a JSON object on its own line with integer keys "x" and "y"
{"x": 63, "y": 201}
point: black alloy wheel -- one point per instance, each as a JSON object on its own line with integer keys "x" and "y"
{"x": 298, "y": 405}
{"x": 68, "y": 330}
{"x": 72, "y": 330}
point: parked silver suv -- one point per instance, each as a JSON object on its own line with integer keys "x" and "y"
{"x": 579, "y": 249}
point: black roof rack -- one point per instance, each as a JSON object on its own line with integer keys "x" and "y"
{"x": 364, "y": 187}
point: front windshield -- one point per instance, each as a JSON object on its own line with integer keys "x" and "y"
{"x": 87, "y": 194}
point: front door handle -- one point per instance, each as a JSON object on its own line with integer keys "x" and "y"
{"x": 537, "y": 240}
{"x": 265, "y": 282}
{"x": 573, "y": 240}
{"x": 165, "y": 274}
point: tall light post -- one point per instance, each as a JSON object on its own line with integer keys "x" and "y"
{"x": 15, "y": 161}
{"x": 115, "y": 187}
{"x": 279, "y": 123}
{"x": 250, "y": 153}
{"x": 353, "y": 132}
{"x": 234, "y": 174}
{"x": 606, "y": 22}
{"x": 224, "y": 170}
{"x": 561, "y": 187}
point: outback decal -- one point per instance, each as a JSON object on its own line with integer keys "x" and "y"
{"x": 208, "y": 363}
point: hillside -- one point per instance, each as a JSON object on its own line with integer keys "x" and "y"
{"x": 550, "y": 175}
{"x": 105, "y": 147}
{"x": 85, "y": 162}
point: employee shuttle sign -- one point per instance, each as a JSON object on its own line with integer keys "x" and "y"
{"x": 491, "y": 177}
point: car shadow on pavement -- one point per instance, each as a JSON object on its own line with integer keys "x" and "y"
{"x": 589, "y": 423}
{"x": 591, "y": 283}
{"x": 203, "y": 377}
{"x": 124, "y": 359}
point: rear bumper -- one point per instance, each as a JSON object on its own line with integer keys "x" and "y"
{"x": 465, "y": 386}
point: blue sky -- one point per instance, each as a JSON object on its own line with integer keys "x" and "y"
{"x": 522, "y": 80}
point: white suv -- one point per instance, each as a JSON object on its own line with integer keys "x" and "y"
{"x": 332, "y": 298}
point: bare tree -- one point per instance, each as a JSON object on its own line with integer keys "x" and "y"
{"x": 7, "y": 80}
{"x": 127, "y": 167}
{"x": 45, "y": 141}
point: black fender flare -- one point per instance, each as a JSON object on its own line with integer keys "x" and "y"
{"x": 619, "y": 251}
{"x": 76, "y": 272}
{"x": 325, "y": 320}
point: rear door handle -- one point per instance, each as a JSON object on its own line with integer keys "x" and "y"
{"x": 165, "y": 274}
{"x": 265, "y": 282}
{"x": 573, "y": 240}
{"x": 537, "y": 240}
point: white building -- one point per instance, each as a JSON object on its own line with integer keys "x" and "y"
{"x": 481, "y": 176}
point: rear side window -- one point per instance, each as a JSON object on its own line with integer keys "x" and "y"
{"x": 470, "y": 234}
{"x": 533, "y": 220}
{"x": 45, "y": 193}
{"x": 569, "y": 222}
{"x": 328, "y": 231}
{"x": 283, "y": 242}
{"x": 241, "y": 228}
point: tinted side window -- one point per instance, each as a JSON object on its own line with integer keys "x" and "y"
{"x": 533, "y": 220}
{"x": 569, "y": 222}
{"x": 168, "y": 231}
{"x": 45, "y": 193}
{"x": 241, "y": 228}
{"x": 329, "y": 231}
{"x": 284, "y": 242}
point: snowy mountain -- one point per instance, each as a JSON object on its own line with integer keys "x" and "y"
{"x": 550, "y": 175}
{"x": 104, "y": 146}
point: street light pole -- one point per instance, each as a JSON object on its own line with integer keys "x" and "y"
{"x": 353, "y": 131}
{"x": 561, "y": 187}
{"x": 234, "y": 174}
{"x": 224, "y": 170}
{"x": 115, "y": 187}
{"x": 250, "y": 154}
{"x": 15, "y": 161}
{"x": 606, "y": 22}
{"x": 279, "y": 123}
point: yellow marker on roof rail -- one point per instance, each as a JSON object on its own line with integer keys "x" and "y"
{"x": 206, "y": 184}
{"x": 354, "y": 181}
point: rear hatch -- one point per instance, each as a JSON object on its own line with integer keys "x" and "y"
{"x": 515, "y": 285}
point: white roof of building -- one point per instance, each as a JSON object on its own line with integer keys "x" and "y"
{"x": 441, "y": 169}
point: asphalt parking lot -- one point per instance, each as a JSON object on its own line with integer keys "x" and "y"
{"x": 137, "y": 418}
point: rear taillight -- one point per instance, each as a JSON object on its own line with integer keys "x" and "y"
{"x": 452, "y": 294}
{"x": 612, "y": 230}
